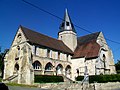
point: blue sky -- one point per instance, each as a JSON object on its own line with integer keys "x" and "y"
{"x": 93, "y": 15}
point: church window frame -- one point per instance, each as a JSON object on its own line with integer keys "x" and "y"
{"x": 16, "y": 68}
{"x": 49, "y": 67}
{"x": 37, "y": 65}
{"x": 59, "y": 69}
{"x": 68, "y": 70}
{"x": 104, "y": 59}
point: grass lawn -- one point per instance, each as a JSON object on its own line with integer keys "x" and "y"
{"x": 21, "y": 85}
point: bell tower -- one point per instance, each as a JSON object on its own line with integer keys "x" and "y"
{"x": 67, "y": 32}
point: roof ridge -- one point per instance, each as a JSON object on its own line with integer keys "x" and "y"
{"x": 44, "y": 40}
{"x": 39, "y": 33}
{"x": 89, "y": 34}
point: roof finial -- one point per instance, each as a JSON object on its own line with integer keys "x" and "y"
{"x": 66, "y": 11}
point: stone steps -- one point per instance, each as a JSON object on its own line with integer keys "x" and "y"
{"x": 10, "y": 79}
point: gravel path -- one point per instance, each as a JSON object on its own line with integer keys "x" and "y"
{"x": 24, "y": 88}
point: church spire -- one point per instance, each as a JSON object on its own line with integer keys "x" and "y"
{"x": 67, "y": 32}
{"x": 67, "y": 23}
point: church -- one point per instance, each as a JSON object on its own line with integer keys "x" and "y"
{"x": 33, "y": 53}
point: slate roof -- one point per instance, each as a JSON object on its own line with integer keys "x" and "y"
{"x": 87, "y": 46}
{"x": 45, "y": 41}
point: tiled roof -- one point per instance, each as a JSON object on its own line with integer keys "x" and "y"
{"x": 87, "y": 46}
{"x": 87, "y": 38}
{"x": 45, "y": 41}
{"x": 87, "y": 50}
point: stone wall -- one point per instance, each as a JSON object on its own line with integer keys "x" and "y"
{"x": 107, "y": 86}
{"x": 79, "y": 86}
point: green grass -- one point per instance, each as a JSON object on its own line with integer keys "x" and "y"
{"x": 21, "y": 85}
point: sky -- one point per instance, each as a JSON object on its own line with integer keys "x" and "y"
{"x": 93, "y": 15}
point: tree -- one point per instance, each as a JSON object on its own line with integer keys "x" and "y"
{"x": 2, "y": 55}
{"x": 1, "y": 61}
{"x": 117, "y": 66}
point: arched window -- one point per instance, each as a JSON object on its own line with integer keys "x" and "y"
{"x": 104, "y": 57}
{"x": 68, "y": 70}
{"x": 59, "y": 69}
{"x": 37, "y": 65}
{"x": 49, "y": 66}
{"x": 16, "y": 68}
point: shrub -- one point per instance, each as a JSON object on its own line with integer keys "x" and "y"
{"x": 48, "y": 79}
{"x": 79, "y": 78}
{"x": 0, "y": 79}
{"x": 101, "y": 78}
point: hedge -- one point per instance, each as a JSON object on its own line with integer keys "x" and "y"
{"x": 101, "y": 78}
{"x": 48, "y": 79}
{"x": 0, "y": 79}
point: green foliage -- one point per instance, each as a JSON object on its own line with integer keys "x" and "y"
{"x": 21, "y": 85}
{"x": 117, "y": 65}
{"x": 102, "y": 78}
{"x": 1, "y": 61}
{"x": 2, "y": 55}
{"x": 0, "y": 79}
{"x": 79, "y": 78}
{"x": 48, "y": 79}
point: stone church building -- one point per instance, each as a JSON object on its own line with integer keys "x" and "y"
{"x": 33, "y": 53}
